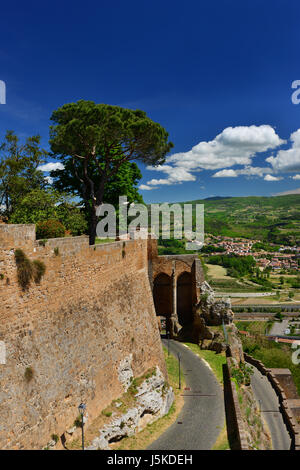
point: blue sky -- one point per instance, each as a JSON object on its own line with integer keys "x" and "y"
{"x": 216, "y": 74}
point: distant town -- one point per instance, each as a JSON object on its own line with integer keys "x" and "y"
{"x": 274, "y": 258}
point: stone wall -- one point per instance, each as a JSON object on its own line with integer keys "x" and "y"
{"x": 245, "y": 427}
{"x": 236, "y": 429}
{"x": 66, "y": 337}
{"x": 288, "y": 397}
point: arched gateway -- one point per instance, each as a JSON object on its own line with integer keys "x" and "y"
{"x": 162, "y": 294}
{"x": 184, "y": 298}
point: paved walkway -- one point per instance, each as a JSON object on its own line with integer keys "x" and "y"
{"x": 202, "y": 417}
{"x": 269, "y": 405}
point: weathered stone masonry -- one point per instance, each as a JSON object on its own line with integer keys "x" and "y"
{"x": 93, "y": 306}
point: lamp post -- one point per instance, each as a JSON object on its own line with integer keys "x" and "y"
{"x": 179, "y": 370}
{"x": 81, "y": 409}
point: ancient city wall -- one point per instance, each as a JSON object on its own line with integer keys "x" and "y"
{"x": 65, "y": 337}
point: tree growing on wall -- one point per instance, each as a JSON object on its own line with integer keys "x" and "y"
{"x": 99, "y": 137}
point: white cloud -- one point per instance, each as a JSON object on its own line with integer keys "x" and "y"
{"x": 233, "y": 146}
{"x": 51, "y": 166}
{"x": 145, "y": 187}
{"x": 288, "y": 160}
{"x": 254, "y": 171}
{"x": 225, "y": 174}
{"x": 246, "y": 171}
{"x": 272, "y": 178}
{"x": 296, "y": 177}
{"x": 176, "y": 175}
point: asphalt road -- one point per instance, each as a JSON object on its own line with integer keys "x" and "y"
{"x": 269, "y": 406}
{"x": 202, "y": 416}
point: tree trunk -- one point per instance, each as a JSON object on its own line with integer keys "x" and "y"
{"x": 94, "y": 219}
{"x": 93, "y": 226}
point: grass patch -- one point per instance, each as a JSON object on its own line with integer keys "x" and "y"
{"x": 215, "y": 360}
{"x": 100, "y": 241}
{"x": 222, "y": 441}
{"x": 254, "y": 327}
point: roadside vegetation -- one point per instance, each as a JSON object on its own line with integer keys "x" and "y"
{"x": 272, "y": 354}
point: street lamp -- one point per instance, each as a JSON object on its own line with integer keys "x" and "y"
{"x": 179, "y": 370}
{"x": 81, "y": 409}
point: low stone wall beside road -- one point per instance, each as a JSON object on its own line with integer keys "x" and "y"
{"x": 235, "y": 425}
{"x": 281, "y": 381}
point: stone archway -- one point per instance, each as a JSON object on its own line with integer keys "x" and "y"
{"x": 162, "y": 295}
{"x": 184, "y": 298}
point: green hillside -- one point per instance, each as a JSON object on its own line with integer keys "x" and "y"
{"x": 276, "y": 219}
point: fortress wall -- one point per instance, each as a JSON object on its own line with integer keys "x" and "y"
{"x": 92, "y": 309}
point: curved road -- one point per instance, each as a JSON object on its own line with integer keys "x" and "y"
{"x": 202, "y": 417}
{"x": 269, "y": 405}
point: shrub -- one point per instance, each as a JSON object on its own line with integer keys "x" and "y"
{"x": 50, "y": 229}
{"x": 24, "y": 269}
{"x": 242, "y": 374}
{"x": 56, "y": 251}
{"x": 54, "y": 438}
{"x": 28, "y": 270}
{"x": 78, "y": 422}
{"x": 39, "y": 270}
{"x": 75, "y": 222}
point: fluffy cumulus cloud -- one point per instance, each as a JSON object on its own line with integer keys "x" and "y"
{"x": 272, "y": 178}
{"x": 233, "y": 146}
{"x": 175, "y": 174}
{"x": 225, "y": 174}
{"x": 51, "y": 166}
{"x": 145, "y": 187}
{"x": 288, "y": 160}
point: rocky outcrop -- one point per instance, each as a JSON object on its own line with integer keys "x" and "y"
{"x": 235, "y": 348}
{"x": 153, "y": 400}
{"x": 208, "y": 313}
{"x": 215, "y": 312}
{"x": 125, "y": 373}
